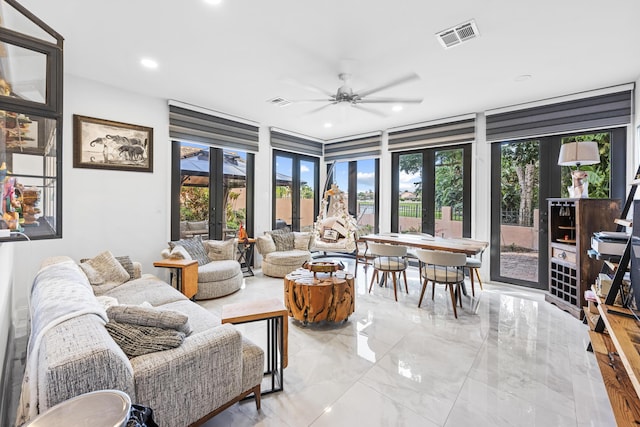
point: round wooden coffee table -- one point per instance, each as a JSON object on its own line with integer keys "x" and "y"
{"x": 312, "y": 297}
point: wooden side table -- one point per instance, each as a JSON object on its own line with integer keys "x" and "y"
{"x": 187, "y": 270}
{"x": 275, "y": 314}
{"x": 311, "y": 297}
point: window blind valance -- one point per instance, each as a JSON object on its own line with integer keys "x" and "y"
{"x": 609, "y": 110}
{"x": 456, "y": 132}
{"x": 368, "y": 146}
{"x": 296, "y": 144}
{"x": 195, "y": 126}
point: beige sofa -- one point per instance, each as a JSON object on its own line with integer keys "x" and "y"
{"x": 279, "y": 260}
{"x": 73, "y": 353}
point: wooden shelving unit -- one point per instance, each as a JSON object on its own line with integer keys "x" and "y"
{"x": 615, "y": 335}
{"x": 617, "y": 351}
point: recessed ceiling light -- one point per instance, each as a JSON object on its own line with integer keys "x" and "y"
{"x": 523, "y": 77}
{"x": 213, "y": 2}
{"x": 328, "y": 125}
{"x": 397, "y": 108}
{"x": 149, "y": 63}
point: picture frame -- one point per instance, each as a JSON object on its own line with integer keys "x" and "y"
{"x": 105, "y": 144}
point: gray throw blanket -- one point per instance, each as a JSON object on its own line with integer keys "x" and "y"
{"x": 60, "y": 292}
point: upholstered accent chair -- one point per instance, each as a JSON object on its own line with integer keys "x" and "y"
{"x": 219, "y": 272}
{"x": 283, "y": 251}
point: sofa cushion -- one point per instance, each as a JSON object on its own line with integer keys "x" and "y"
{"x": 146, "y": 289}
{"x": 219, "y": 250}
{"x": 293, "y": 257}
{"x": 194, "y": 247}
{"x": 136, "y": 340}
{"x": 216, "y": 271}
{"x": 105, "y": 269}
{"x": 145, "y": 316}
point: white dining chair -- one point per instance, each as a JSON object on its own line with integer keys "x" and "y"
{"x": 390, "y": 260}
{"x": 445, "y": 268}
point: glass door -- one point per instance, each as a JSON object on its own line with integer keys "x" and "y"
{"x": 283, "y": 203}
{"x": 212, "y": 191}
{"x": 308, "y": 191}
{"x": 295, "y": 191}
{"x": 517, "y": 205}
{"x": 431, "y": 191}
{"x": 525, "y": 173}
{"x": 359, "y": 181}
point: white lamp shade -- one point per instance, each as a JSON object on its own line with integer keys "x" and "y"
{"x": 579, "y": 153}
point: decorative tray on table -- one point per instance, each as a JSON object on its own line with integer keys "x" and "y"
{"x": 323, "y": 266}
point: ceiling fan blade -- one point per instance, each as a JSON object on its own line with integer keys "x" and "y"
{"x": 307, "y": 86}
{"x": 368, "y": 110}
{"x": 390, "y": 101}
{"x": 301, "y": 101}
{"x": 315, "y": 110}
{"x": 398, "y": 81}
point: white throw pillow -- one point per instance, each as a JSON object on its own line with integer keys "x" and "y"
{"x": 301, "y": 240}
{"x": 179, "y": 252}
{"x": 265, "y": 244}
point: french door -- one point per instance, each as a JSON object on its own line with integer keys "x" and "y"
{"x": 295, "y": 190}
{"x": 431, "y": 191}
{"x": 212, "y": 191}
{"x": 524, "y": 175}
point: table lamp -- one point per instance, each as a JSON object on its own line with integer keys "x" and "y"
{"x": 575, "y": 154}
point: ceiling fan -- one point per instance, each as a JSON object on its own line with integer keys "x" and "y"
{"x": 345, "y": 94}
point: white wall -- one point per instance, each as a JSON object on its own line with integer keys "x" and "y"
{"x": 124, "y": 212}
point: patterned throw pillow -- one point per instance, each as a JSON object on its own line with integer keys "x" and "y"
{"x": 105, "y": 269}
{"x": 127, "y": 264}
{"x": 283, "y": 238}
{"x": 195, "y": 248}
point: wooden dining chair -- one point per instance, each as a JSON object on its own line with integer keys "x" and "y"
{"x": 389, "y": 260}
{"x": 445, "y": 268}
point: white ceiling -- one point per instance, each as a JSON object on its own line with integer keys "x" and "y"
{"x": 233, "y": 57}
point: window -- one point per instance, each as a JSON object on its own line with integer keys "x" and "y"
{"x": 31, "y": 126}
{"x": 359, "y": 181}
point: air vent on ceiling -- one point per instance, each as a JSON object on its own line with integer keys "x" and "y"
{"x": 458, "y": 34}
{"x": 278, "y": 101}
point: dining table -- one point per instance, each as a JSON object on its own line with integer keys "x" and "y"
{"x": 465, "y": 245}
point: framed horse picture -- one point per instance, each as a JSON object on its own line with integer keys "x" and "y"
{"x": 104, "y": 144}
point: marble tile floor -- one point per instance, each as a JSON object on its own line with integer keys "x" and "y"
{"x": 510, "y": 359}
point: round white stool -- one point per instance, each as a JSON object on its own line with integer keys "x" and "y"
{"x": 104, "y": 408}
